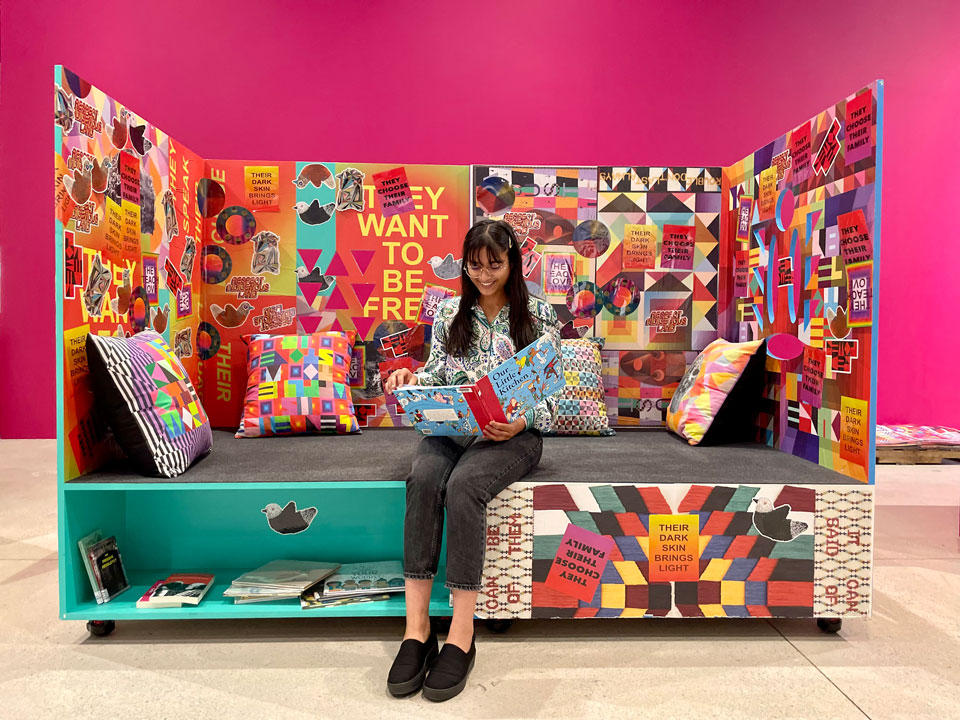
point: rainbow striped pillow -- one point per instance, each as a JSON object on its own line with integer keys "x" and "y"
{"x": 707, "y": 385}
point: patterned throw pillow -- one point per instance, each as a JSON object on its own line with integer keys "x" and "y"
{"x": 580, "y": 408}
{"x": 717, "y": 398}
{"x": 149, "y": 402}
{"x": 297, "y": 384}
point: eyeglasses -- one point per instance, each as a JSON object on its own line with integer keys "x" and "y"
{"x": 474, "y": 270}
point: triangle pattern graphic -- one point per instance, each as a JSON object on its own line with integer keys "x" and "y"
{"x": 336, "y": 301}
{"x": 310, "y": 291}
{"x": 310, "y": 257}
{"x": 310, "y": 323}
{"x": 363, "y": 325}
{"x": 622, "y": 204}
{"x": 337, "y": 268}
{"x": 363, "y": 258}
{"x": 363, "y": 291}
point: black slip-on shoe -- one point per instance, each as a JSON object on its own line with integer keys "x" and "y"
{"x": 448, "y": 674}
{"x": 410, "y": 666}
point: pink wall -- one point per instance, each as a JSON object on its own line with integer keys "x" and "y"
{"x": 546, "y": 82}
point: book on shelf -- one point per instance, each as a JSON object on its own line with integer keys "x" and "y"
{"x": 314, "y": 599}
{"x": 503, "y": 394}
{"x": 177, "y": 590}
{"x": 279, "y": 580}
{"x": 369, "y": 578}
{"x": 104, "y": 567}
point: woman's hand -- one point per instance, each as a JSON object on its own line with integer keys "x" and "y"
{"x": 499, "y": 432}
{"x": 403, "y": 376}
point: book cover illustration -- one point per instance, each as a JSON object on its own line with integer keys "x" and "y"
{"x": 177, "y": 590}
{"x": 286, "y": 574}
{"x": 369, "y": 578}
{"x": 85, "y": 544}
{"x": 503, "y": 395}
{"x": 104, "y": 567}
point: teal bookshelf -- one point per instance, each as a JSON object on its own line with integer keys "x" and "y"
{"x": 218, "y": 528}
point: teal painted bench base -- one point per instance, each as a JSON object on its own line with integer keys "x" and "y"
{"x": 210, "y": 521}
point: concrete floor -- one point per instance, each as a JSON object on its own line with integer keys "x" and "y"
{"x": 903, "y": 663}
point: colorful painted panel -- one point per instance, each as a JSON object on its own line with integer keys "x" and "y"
{"x": 319, "y": 246}
{"x": 660, "y": 275}
{"x": 679, "y": 551}
{"x": 553, "y": 211}
{"x": 129, "y": 240}
{"x": 801, "y": 229}
{"x": 630, "y": 254}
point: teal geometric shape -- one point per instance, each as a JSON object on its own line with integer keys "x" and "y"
{"x": 583, "y": 520}
{"x": 545, "y": 547}
{"x": 740, "y": 502}
{"x": 606, "y": 498}
{"x": 800, "y": 548}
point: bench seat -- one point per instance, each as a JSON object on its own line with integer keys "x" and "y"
{"x": 385, "y": 454}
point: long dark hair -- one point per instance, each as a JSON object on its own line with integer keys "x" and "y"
{"x": 498, "y": 238}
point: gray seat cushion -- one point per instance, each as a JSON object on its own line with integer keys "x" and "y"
{"x": 385, "y": 454}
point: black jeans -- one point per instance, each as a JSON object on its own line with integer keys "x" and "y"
{"x": 461, "y": 474}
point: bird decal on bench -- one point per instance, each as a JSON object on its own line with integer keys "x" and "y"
{"x": 289, "y": 520}
{"x": 773, "y": 523}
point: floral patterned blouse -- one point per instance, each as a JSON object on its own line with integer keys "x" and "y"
{"x": 491, "y": 347}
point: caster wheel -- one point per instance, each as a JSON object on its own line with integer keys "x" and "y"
{"x": 440, "y": 625}
{"x": 101, "y": 628}
{"x": 499, "y": 626}
{"x": 830, "y": 625}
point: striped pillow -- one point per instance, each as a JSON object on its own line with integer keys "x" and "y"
{"x": 581, "y": 409}
{"x": 149, "y": 402}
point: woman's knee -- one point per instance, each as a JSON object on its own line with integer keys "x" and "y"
{"x": 423, "y": 480}
{"x": 463, "y": 491}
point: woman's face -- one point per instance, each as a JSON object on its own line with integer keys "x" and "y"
{"x": 489, "y": 272}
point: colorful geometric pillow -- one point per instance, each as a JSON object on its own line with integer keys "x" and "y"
{"x": 149, "y": 401}
{"x": 297, "y": 384}
{"x": 718, "y": 396}
{"x": 580, "y": 408}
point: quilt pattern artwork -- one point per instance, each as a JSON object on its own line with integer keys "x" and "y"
{"x": 801, "y": 226}
{"x": 664, "y": 260}
{"x": 687, "y": 551}
{"x": 630, "y": 254}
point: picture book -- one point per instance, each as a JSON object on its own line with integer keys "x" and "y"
{"x": 177, "y": 590}
{"x": 369, "y": 578}
{"x": 503, "y": 394}
{"x": 283, "y": 575}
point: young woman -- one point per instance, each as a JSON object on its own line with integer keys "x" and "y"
{"x": 494, "y": 317}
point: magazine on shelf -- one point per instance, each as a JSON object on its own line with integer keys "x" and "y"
{"x": 314, "y": 599}
{"x": 101, "y": 559}
{"x": 294, "y": 575}
{"x": 369, "y": 578}
{"x": 177, "y": 590}
{"x": 503, "y": 394}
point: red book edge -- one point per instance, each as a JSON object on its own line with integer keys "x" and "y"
{"x": 490, "y": 401}
{"x": 149, "y": 593}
